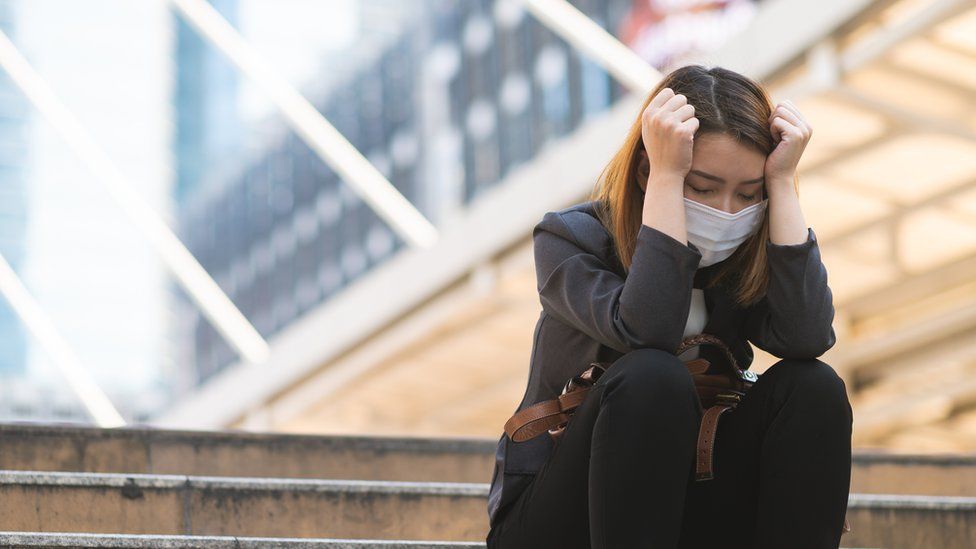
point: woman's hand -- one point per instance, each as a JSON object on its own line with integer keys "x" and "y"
{"x": 668, "y": 127}
{"x": 791, "y": 133}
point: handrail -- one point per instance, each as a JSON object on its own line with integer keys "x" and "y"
{"x": 321, "y": 136}
{"x": 595, "y": 42}
{"x": 40, "y": 325}
{"x": 194, "y": 279}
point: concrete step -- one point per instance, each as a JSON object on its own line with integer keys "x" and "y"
{"x": 390, "y": 510}
{"x": 920, "y": 474}
{"x": 18, "y": 540}
{"x": 911, "y": 521}
{"x": 238, "y": 453}
{"x": 236, "y": 506}
{"x": 42, "y": 539}
{"x": 242, "y": 454}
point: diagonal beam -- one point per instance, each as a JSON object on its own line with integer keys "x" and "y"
{"x": 902, "y": 211}
{"x": 914, "y": 24}
{"x": 911, "y": 404}
{"x": 321, "y": 136}
{"x": 79, "y": 378}
{"x": 581, "y": 32}
{"x": 767, "y": 45}
{"x": 216, "y": 306}
{"x": 943, "y": 82}
{"x": 901, "y": 115}
{"x": 929, "y": 338}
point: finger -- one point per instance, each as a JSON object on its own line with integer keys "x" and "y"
{"x": 780, "y": 107}
{"x": 685, "y": 112}
{"x": 800, "y": 121}
{"x": 783, "y": 127}
{"x": 675, "y": 103}
{"x": 661, "y": 98}
{"x": 776, "y": 129}
{"x": 788, "y": 106}
{"x": 789, "y": 115}
{"x": 795, "y": 124}
{"x": 792, "y": 106}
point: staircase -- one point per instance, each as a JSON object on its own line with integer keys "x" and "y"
{"x": 72, "y": 486}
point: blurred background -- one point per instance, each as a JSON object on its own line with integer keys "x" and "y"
{"x": 355, "y": 183}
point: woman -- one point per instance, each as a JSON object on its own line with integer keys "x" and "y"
{"x": 676, "y": 241}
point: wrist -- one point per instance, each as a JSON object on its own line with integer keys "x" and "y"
{"x": 778, "y": 184}
{"x": 780, "y": 180}
{"x": 666, "y": 180}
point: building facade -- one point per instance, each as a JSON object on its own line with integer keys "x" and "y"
{"x": 446, "y": 106}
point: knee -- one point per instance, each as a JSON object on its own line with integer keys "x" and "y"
{"x": 816, "y": 381}
{"x": 651, "y": 374}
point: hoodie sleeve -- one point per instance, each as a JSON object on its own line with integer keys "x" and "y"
{"x": 795, "y": 317}
{"x": 647, "y": 308}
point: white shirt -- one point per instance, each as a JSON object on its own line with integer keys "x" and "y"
{"x": 697, "y": 318}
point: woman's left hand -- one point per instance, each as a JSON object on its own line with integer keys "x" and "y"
{"x": 791, "y": 133}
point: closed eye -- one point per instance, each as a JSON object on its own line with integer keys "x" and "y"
{"x": 706, "y": 191}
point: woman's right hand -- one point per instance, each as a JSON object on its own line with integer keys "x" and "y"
{"x": 668, "y": 127}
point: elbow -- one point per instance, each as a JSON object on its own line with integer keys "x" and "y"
{"x": 625, "y": 338}
{"x": 826, "y": 342}
{"x": 811, "y": 347}
{"x": 826, "y": 339}
{"x": 814, "y": 339}
{"x": 665, "y": 339}
{"x": 657, "y": 343}
{"x": 640, "y": 330}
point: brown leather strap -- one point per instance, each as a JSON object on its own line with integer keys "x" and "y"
{"x": 706, "y": 441}
{"x": 542, "y": 416}
{"x": 545, "y": 415}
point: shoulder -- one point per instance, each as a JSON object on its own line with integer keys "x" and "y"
{"x": 578, "y": 223}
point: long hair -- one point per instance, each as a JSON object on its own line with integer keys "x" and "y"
{"x": 725, "y": 102}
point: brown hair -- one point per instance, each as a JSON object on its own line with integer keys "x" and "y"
{"x": 725, "y": 102}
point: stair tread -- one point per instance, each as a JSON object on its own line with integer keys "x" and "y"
{"x": 475, "y": 445}
{"x": 205, "y": 489}
{"x": 75, "y": 479}
{"x": 74, "y": 539}
{"x": 68, "y": 478}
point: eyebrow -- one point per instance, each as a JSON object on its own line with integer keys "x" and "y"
{"x": 720, "y": 180}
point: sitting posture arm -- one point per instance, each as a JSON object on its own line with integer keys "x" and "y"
{"x": 647, "y": 308}
{"x": 795, "y": 317}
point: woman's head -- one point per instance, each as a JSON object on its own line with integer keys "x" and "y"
{"x": 731, "y": 144}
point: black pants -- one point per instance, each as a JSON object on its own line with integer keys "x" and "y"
{"x": 622, "y": 475}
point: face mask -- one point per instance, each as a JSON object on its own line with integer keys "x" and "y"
{"x": 717, "y": 233}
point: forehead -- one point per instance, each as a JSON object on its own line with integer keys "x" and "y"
{"x": 719, "y": 154}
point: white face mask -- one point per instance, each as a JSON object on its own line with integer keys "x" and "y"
{"x": 717, "y": 233}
